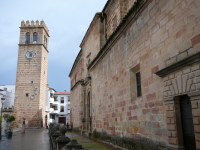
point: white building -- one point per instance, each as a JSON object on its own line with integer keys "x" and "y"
{"x": 58, "y": 106}
{"x": 9, "y": 94}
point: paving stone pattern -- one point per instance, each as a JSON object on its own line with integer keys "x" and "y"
{"x": 33, "y": 139}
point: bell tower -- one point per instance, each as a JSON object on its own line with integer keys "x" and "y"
{"x": 31, "y": 78}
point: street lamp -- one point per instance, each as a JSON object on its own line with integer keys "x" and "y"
{"x": 2, "y": 101}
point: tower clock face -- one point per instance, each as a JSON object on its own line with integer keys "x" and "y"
{"x": 29, "y": 54}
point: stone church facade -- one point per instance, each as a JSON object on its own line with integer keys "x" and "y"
{"x": 31, "y": 78}
{"x": 138, "y": 73}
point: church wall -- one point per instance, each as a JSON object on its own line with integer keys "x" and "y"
{"x": 162, "y": 31}
{"x": 76, "y": 106}
{"x": 91, "y": 46}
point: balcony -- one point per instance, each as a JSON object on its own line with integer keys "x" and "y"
{"x": 53, "y": 110}
{"x": 51, "y": 100}
{"x": 51, "y": 120}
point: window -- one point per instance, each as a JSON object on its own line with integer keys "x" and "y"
{"x": 51, "y": 105}
{"x": 51, "y": 95}
{"x": 61, "y": 108}
{"x": 26, "y": 94}
{"x": 27, "y": 38}
{"x": 68, "y": 98}
{"x": 31, "y": 81}
{"x": 138, "y": 82}
{"x": 52, "y": 116}
{"x": 55, "y": 98}
{"x": 62, "y": 100}
{"x": 55, "y": 107}
{"x": 34, "y": 38}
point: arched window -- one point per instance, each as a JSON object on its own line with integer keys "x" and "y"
{"x": 34, "y": 38}
{"x": 27, "y": 38}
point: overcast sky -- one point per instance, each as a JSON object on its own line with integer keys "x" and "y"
{"x": 67, "y": 21}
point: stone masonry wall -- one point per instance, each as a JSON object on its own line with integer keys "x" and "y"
{"x": 31, "y": 77}
{"x": 76, "y": 107}
{"x": 163, "y": 29}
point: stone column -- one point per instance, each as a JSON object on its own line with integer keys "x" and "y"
{"x": 62, "y": 140}
{"x": 174, "y": 127}
{"x": 83, "y": 107}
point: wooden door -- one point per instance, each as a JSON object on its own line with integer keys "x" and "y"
{"x": 187, "y": 123}
{"x": 62, "y": 120}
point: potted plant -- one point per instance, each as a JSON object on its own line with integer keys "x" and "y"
{"x": 9, "y": 120}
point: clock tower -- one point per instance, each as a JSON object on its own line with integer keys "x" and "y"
{"x": 31, "y": 78}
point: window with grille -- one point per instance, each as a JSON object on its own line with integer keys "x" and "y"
{"x": 62, "y": 100}
{"x": 138, "y": 82}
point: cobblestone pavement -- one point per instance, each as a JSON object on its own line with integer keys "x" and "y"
{"x": 33, "y": 139}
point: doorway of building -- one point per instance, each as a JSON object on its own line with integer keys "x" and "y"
{"x": 62, "y": 120}
{"x": 187, "y": 123}
{"x": 46, "y": 121}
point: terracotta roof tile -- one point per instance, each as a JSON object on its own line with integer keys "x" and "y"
{"x": 62, "y": 93}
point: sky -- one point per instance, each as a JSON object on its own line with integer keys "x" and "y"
{"x": 67, "y": 21}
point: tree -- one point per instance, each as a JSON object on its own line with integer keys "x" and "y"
{"x": 10, "y": 118}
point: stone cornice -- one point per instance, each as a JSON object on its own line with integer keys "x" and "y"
{"x": 176, "y": 66}
{"x": 132, "y": 14}
{"x": 86, "y": 81}
{"x": 34, "y": 45}
{"x": 80, "y": 81}
{"x": 89, "y": 29}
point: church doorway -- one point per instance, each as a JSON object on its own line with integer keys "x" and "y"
{"x": 187, "y": 123}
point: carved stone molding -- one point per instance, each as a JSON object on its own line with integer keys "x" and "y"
{"x": 176, "y": 66}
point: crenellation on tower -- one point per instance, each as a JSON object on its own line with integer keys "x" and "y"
{"x": 34, "y": 29}
{"x": 22, "y": 23}
{"x": 32, "y": 23}
{"x": 27, "y": 23}
{"x": 37, "y": 23}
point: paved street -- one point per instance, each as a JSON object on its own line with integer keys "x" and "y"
{"x": 33, "y": 139}
{"x": 38, "y": 139}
